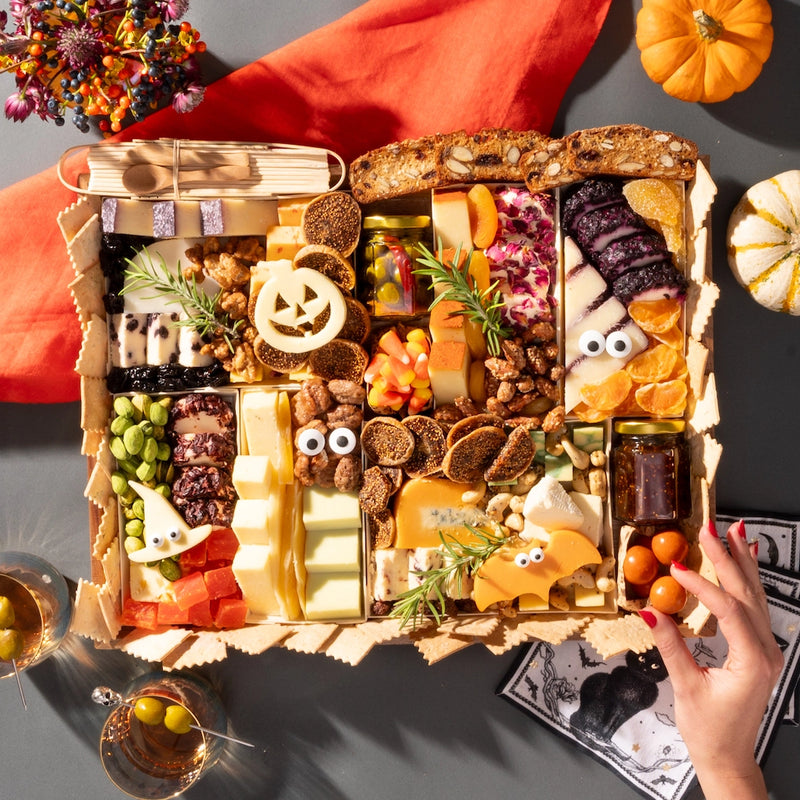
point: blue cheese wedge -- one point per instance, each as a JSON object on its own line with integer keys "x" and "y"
{"x": 547, "y": 505}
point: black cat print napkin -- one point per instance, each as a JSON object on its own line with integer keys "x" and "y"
{"x": 620, "y": 710}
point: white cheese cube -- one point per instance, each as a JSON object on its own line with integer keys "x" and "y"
{"x": 148, "y": 585}
{"x": 588, "y": 598}
{"x": 330, "y": 509}
{"x": 190, "y": 342}
{"x": 591, "y": 506}
{"x": 128, "y": 340}
{"x": 333, "y": 596}
{"x": 532, "y": 602}
{"x": 162, "y": 338}
{"x": 253, "y": 477}
{"x": 388, "y": 573}
{"x": 251, "y": 521}
{"x": 252, "y": 567}
{"x": 333, "y": 550}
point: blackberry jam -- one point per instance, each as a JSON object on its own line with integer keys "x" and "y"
{"x": 651, "y": 472}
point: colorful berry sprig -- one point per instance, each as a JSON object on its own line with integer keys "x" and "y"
{"x": 113, "y": 61}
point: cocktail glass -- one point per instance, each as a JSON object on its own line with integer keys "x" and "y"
{"x": 150, "y": 762}
{"x": 42, "y": 607}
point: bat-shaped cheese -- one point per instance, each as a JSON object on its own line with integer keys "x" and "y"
{"x": 532, "y": 567}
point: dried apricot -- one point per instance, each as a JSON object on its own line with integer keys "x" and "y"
{"x": 673, "y": 337}
{"x": 652, "y": 365}
{"x": 655, "y": 316}
{"x": 667, "y": 399}
{"x": 482, "y": 215}
{"x": 608, "y": 393}
{"x": 655, "y": 199}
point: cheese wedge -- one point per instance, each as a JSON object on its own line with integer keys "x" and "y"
{"x": 451, "y": 220}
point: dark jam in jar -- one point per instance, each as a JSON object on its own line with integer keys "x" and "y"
{"x": 388, "y": 257}
{"x": 651, "y": 472}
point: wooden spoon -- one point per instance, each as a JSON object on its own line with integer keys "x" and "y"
{"x": 149, "y": 178}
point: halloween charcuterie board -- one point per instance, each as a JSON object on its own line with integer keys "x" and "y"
{"x": 419, "y": 407}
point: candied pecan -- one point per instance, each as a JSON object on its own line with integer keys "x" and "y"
{"x": 494, "y": 406}
{"x": 312, "y": 424}
{"x": 529, "y": 423}
{"x": 557, "y": 373}
{"x": 234, "y": 304}
{"x": 501, "y": 369}
{"x": 248, "y": 248}
{"x": 537, "y": 361}
{"x": 525, "y": 384}
{"x": 325, "y": 475}
{"x": 310, "y": 401}
{"x": 345, "y": 391}
{"x": 227, "y": 270}
{"x": 347, "y": 477}
{"x": 193, "y": 270}
{"x": 466, "y": 406}
{"x": 490, "y": 384}
{"x": 245, "y": 363}
{"x": 381, "y": 608}
{"x": 447, "y": 413}
{"x": 547, "y": 389}
{"x": 248, "y": 333}
{"x": 543, "y": 331}
{"x": 518, "y": 402}
{"x": 211, "y": 244}
{"x": 554, "y": 419}
{"x": 506, "y": 391}
{"x": 302, "y": 469}
{"x": 345, "y": 415}
{"x": 550, "y": 351}
{"x": 514, "y": 352}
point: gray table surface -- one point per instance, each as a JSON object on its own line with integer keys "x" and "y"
{"x": 394, "y": 727}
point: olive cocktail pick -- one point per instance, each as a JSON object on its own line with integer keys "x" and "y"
{"x": 105, "y": 696}
{"x": 11, "y": 643}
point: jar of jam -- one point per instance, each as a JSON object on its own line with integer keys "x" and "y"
{"x": 651, "y": 475}
{"x": 388, "y": 258}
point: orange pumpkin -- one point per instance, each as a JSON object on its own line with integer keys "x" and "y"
{"x": 704, "y": 50}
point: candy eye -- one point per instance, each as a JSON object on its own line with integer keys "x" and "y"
{"x": 310, "y": 442}
{"x": 342, "y": 441}
{"x": 537, "y": 555}
{"x": 592, "y": 343}
{"x": 522, "y": 560}
{"x": 618, "y": 344}
{"x": 156, "y": 540}
{"x": 174, "y": 535}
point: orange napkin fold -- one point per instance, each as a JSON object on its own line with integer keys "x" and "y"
{"x": 389, "y": 70}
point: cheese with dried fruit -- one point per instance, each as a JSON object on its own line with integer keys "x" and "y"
{"x": 388, "y": 573}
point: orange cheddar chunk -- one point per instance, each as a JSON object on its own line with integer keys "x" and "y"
{"x": 448, "y": 324}
{"x": 448, "y": 369}
{"x": 503, "y": 577}
{"x": 284, "y": 241}
{"x": 425, "y": 506}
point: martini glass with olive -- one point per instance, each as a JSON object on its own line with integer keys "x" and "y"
{"x": 35, "y": 611}
{"x": 165, "y": 730}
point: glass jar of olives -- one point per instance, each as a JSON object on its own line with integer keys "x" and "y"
{"x": 650, "y": 466}
{"x": 388, "y": 259}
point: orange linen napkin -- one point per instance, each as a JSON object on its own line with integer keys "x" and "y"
{"x": 388, "y": 70}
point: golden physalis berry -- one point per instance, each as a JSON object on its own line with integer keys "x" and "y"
{"x": 608, "y": 393}
{"x": 666, "y": 399}
{"x": 652, "y": 365}
{"x": 655, "y": 199}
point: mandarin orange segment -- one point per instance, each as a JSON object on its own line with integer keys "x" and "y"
{"x": 629, "y": 407}
{"x": 655, "y": 199}
{"x": 608, "y": 393}
{"x": 586, "y": 414}
{"x": 681, "y": 369}
{"x": 655, "y": 316}
{"x": 652, "y": 365}
{"x": 672, "y": 337}
{"x": 482, "y": 215}
{"x": 666, "y": 399}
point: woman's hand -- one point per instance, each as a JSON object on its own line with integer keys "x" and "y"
{"x": 719, "y": 710}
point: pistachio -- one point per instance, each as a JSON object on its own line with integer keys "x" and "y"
{"x": 123, "y": 407}
{"x": 133, "y": 543}
{"x": 119, "y": 483}
{"x": 158, "y": 414}
{"x": 117, "y": 448}
{"x": 149, "y": 449}
{"x": 119, "y": 425}
{"x": 133, "y": 440}
{"x": 170, "y": 569}
{"x": 145, "y": 471}
{"x": 134, "y": 527}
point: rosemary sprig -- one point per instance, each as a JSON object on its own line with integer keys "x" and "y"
{"x": 201, "y": 309}
{"x": 480, "y": 306}
{"x": 465, "y": 558}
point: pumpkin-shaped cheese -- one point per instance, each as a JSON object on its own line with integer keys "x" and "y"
{"x": 704, "y": 50}
{"x": 764, "y": 242}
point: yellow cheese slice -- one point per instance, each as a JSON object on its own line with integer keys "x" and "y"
{"x": 253, "y": 570}
{"x": 333, "y": 596}
{"x": 451, "y": 220}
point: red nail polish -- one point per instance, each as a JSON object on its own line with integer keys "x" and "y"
{"x": 740, "y": 529}
{"x": 681, "y": 567}
{"x": 648, "y": 617}
{"x": 712, "y": 529}
{"x": 755, "y": 548}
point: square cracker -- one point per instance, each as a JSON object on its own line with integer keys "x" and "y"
{"x": 88, "y": 617}
{"x": 87, "y": 293}
{"x": 435, "y": 648}
{"x": 309, "y": 638}
{"x": 611, "y": 636}
{"x": 350, "y": 645}
{"x": 84, "y": 248}
{"x": 95, "y": 404}
{"x": 93, "y": 356}
{"x": 75, "y": 216}
{"x": 255, "y": 639}
{"x": 106, "y": 532}
{"x": 153, "y": 646}
{"x": 203, "y": 647}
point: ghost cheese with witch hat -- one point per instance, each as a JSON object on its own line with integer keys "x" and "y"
{"x": 166, "y": 533}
